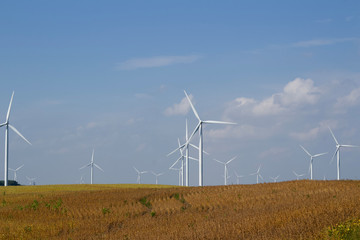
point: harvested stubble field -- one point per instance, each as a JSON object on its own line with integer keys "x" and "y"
{"x": 286, "y": 210}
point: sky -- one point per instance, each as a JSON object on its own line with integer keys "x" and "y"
{"x": 111, "y": 75}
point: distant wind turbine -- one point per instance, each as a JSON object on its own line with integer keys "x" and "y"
{"x": 7, "y": 126}
{"x": 156, "y": 176}
{"x": 199, "y": 128}
{"x": 91, "y": 165}
{"x": 238, "y": 177}
{"x": 275, "y": 178}
{"x": 311, "y": 160}
{"x": 225, "y": 168}
{"x": 337, "y": 153}
{"x": 257, "y": 173}
{"x": 31, "y": 180}
{"x": 15, "y": 170}
{"x": 139, "y": 175}
{"x": 298, "y": 175}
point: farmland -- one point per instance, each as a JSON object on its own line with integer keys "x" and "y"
{"x": 287, "y": 210}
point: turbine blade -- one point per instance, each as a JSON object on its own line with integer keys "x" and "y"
{"x": 198, "y": 148}
{"x": 261, "y": 177}
{"x": 19, "y": 167}
{"x": 3, "y": 124}
{"x": 192, "y": 134}
{"x": 192, "y": 107}
{"x": 85, "y": 166}
{"x": 174, "y": 163}
{"x": 9, "y": 109}
{"x": 320, "y": 154}
{"x": 195, "y": 159}
{"x": 333, "y": 136}
{"x": 175, "y": 150}
{"x": 219, "y": 122}
{"x": 18, "y": 133}
{"x": 219, "y": 161}
{"x": 350, "y": 146}
{"x": 332, "y": 159}
{"x": 231, "y": 160}
{"x": 98, "y": 167}
{"x": 12, "y": 169}
{"x": 305, "y": 150}
{"x": 136, "y": 170}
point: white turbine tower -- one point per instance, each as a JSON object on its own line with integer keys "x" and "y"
{"x": 156, "y": 176}
{"x": 238, "y": 177}
{"x": 7, "y": 126}
{"x": 257, "y": 173}
{"x": 139, "y": 175}
{"x": 311, "y": 160}
{"x": 199, "y": 128}
{"x": 91, "y": 165}
{"x": 180, "y": 173}
{"x": 15, "y": 170}
{"x": 298, "y": 175}
{"x": 225, "y": 169}
{"x": 275, "y": 178}
{"x": 337, "y": 153}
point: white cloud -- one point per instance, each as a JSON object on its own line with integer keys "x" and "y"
{"x": 352, "y": 99}
{"x": 314, "y": 132}
{"x": 158, "y": 61}
{"x": 296, "y": 93}
{"x": 321, "y": 42}
{"x": 181, "y": 108}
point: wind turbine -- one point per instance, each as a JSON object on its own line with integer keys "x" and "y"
{"x": 7, "y": 126}
{"x": 199, "y": 128}
{"x": 139, "y": 175}
{"x": 180, "y": 173}
{"x": 31, "y": 180}
{"x": 225, "y": 168}
{"x": 186, "y": 156}
{"x": 91, "y": 164}
{"x": 275, "y": 178}
{"x": 298, "y": 175}
{"x": 337, "y": 153}
{"x": 15, "y": 170}
{"x": 238, "y": 177}
{"x": 311, "y": 160}
{"x": 156, "y": 176}
{"x": 82, "y": 179}
{"x": 257, "y": 173}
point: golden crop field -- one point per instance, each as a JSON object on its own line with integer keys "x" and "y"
{"x": 287, "y": 210}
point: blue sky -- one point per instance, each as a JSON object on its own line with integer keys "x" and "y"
{"x": 110, "y": 75}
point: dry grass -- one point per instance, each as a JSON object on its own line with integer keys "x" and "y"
{"x": 287, "y": 210}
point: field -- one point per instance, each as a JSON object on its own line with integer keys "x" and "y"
{"x": 287, "y": 210}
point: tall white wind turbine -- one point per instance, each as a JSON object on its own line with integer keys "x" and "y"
{"x": 156, "y": 176}
{"x": 257, "y": 173}
{"x": 15, "y": 170}
{"x": 298, "y": 175}
{"x": 311, "y": 160}
{"x": 91, "y": 165}
{"x": 225, "y": 168}
{"x": 199, "y": 128}
{"x": 337, "y": 153}
{"x": 139, "y": 175}
{"x": 7, "y": 126}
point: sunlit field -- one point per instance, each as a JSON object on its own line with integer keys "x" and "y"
{"x": 287, "y": 210}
